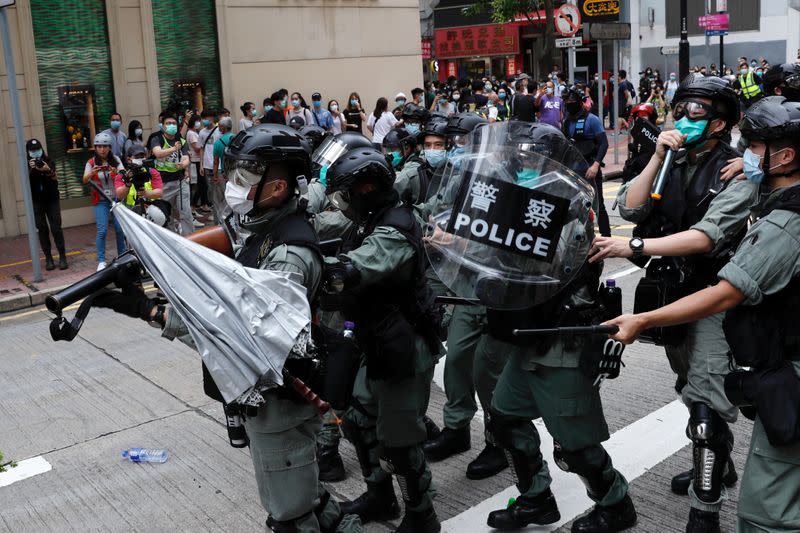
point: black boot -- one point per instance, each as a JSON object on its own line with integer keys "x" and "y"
{"x": 62, "y": 262}
{"x": 420, "y": 522}
{"x": 378, "y": 503}
{"x": 489, "y": 462}
{"x": 681, "y": 482}
{"x": 702, "y": 522}
{"x": 431, "y": 429}
{"x": 331, "y": 467}
{"x": 541, "y": 509}
{"x": 48, "y": 262}
{"x": 449, "y": 442}
{"x": 617, "y": 517}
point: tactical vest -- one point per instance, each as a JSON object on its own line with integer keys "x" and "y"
{"x": 587, "y": 146}
{"x": 765, "y": 335}
{"x": 295, "y": 230}
{"x": 681, "y": 208}
{"x": 749, "y": 86}
{"x": 390, "y": 314}
{"x": 424, "y": 172}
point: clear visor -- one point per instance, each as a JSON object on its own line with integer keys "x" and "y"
{"x": 244, "y": 173}
{"x": 458, "y": 140}
{"x": 692, "y": 109}
{"x": 340, "y": 200}
{"x": 329, "y": 152}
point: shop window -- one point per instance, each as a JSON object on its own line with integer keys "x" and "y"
{"x": 75, "y": 80}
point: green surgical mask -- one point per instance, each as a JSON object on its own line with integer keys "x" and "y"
{"x": 693, "y": 129}
{"x": 527, "y": 178}
{"x": 397, "y": 158}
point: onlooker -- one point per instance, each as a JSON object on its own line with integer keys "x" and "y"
{"x": 274, "y": 107}
{"x": 151, "y": 189}
{"x": 197, "y": 181}
{"x": 550, "y": 105}
{"x": 155, "y": 133}
{"x": 626, "y": 95}
{"x": 339, "y": 121}
{"x": 322, "y": 116}
{"x": 442, "y": 104}
{"x": 354, "y": 113}
{"x": 208, "y": 136}
{"x": 249, "y": 116}
{"x": 299, "y": 108}
{"x": 672, "y": 86}
{"x": 218, "y": 178}
{"x": 503, "y": 106}
{"x": 523, "y": 105}
{"x": 46, "y": 205}
{"x": 118, "y": 138}
{"x": 103, "y": 169}
{"x": 135, "y": 132}
{"x": 381, "y": 122}
{"x": 418, "y": 96}
{"x": 172, "y": 159}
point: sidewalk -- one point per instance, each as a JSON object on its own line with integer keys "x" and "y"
{"x": 18, "y": 290}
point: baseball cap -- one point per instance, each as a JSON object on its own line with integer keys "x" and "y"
{"x": 400, "y": 95}
{"x": 316, "y": 96}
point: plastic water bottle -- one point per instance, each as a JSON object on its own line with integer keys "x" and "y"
{"x": 146, "y": 455}
{"x": 348, "y": 329}
{"x": 611, "y": 297}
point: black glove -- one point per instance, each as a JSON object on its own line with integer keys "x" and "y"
{"x": 610, "y": 361}
{"x": 131, "y": 301}
{"x": 340, "y": 276}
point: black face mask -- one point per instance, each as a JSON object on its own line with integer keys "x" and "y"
{"x": 573, "y": 108}
{"x": 361, "y": 205}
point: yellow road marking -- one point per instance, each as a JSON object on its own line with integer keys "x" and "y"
{"x": 78, "y": 252}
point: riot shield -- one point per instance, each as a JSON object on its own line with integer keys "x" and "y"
{"x": 511, "y": 226}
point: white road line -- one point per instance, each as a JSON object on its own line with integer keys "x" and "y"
{"x": 24, "y": 470}
{"x": 622, "y": 274}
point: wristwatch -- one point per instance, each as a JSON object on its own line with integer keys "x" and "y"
{"x": 637, "y": 245}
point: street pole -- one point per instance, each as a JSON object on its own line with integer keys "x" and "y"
{"x": 616, "y": 101}
{"x": 721, "y": 54}
{"x": 11, "y": 77}
{"x": 600, "y": 81}
{"x": 707, "y": 58}
{"x": 683, "y": 46}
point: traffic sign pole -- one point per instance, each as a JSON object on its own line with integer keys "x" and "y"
{"x": 683, "y": 54}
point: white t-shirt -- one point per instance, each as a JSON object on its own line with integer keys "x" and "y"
{"x": 191, "y": 138}
{"x": 245, "y": 123}
{"x": 492, "y": 112}
{"x": 382, "y": 126}
{"x": 448, "y": 108}
{"x": 208, "y": 147}
{"x": 339, "y": 124}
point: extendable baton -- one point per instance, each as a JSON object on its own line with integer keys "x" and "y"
{"x": 569, "y": 330}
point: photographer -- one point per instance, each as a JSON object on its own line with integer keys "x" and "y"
{"x": 140, "y": 179}
{"x": 762, "y": 279}
{"x": 172, "y": 159}
{"x": 46, "y": 206}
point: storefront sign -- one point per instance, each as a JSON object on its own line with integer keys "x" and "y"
{"x": 720, "y": 21}
{"x": 511, "y": 66}
{"x": 608, "y": 30}
{"x": 469, "y": 41}
{"x": 451, "y": 68}
{"x": 599, "y": 10}
{"x": 426, "y": 49}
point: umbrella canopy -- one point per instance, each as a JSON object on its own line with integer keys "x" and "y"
{"x": 244, "y": 321}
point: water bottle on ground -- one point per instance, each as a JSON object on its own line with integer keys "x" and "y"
{"x": 611, "y": 298}
{"x": 348, "y": 329}
{"x": 146, "y": 455}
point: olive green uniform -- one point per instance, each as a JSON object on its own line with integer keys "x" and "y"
{"x": 548, "y": 384}
{"x": 282, "y": 434}
{"x": 702, "y": 357}
{"x": 389, "y": 412}
{"x": 765, "y": 262}
{"x": 407, "y": 181}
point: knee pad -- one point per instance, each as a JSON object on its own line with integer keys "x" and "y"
{"x": 712, "y": 443}
{"x": 591, "y": 472}
{"x": 397, "y": 460}
{"x": 500, "y": 428}
{"x": 363, "y": 440}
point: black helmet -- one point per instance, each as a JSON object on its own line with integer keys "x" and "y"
{"x": 253, "y": 149}
{"x": 464, "y": 123}
{"x": 415, "y": 112}
{"x": 771, "y": 118}
{"x": 545, "y": 140}
{"x": 297, "y": 122}
{"x": 786, "y": 77}
{"x": 719, "y": 91}
{"x": 333, "y": 147}
{"x": 399, "y": 138}
{"x": 314, "y": 134}
{"x": 358, "y": 165}
{"x": 572, "y": 94}
{"x": 437, "y": 125}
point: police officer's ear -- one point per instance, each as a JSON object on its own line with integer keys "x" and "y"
{"x": 717, "y": 125}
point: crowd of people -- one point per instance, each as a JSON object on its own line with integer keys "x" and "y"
{"x": 287, "y": 185}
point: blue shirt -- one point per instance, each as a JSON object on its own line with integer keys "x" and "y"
{"x": 323, "y": 118}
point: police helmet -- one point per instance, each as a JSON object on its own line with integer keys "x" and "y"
{"x": 333, "y": 147}
{"x": 436, "y": 126}
{"x": 158, "y": 212}
{"x": 103, "y": 139}
{"x": 359, "y": 165}
{"x": 413, "y": 112}
{"x": 314, "y": 134}
{"x": 297, "y": 122}
{"x": 572, "y": 94}
{"x": 399, "y": 138}
{"x": 771, "y": 118}
{"x": 464, "y": 123}
{"x": 251, "y": 151}
{"x": 723, "y": 98}
{"x": 786, "y": 77}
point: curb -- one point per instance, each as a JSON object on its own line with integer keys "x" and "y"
{"x": 28, "y": 299}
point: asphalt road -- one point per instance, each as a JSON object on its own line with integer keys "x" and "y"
{"x": 72, "y": 407}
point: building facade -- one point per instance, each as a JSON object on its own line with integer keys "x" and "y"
{"x": 77, "y": 61}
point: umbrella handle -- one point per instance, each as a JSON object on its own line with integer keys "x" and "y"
{"x": 303, "y": 390}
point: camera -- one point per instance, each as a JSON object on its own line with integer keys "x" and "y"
{"x": 38, "y": 162}
{"x": 138, "y": 174}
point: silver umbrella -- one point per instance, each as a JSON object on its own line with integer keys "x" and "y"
{"x": 244, "y": 321}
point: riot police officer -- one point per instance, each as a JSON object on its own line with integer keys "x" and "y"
{"x": 400, "y": 149}
{"x": 380, "y": 276}
{"x": 587, "y": 132}
{"x": 414, "y": 118}
{"x": 265, "y": 167}
{"x": 762, "y": 279}
{"x": 516, "y": 237}
{"x": 458, "y": 127}
{"x": 783, "y": 80}
{"x": 693, "y": 226}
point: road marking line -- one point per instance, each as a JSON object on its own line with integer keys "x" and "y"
{"x": 622, "y": 274}
{"x": 41, "y": 308}
{"x": 661, "y": 430}
{"x": 24, "y": 470}
{"x": 78, "y": 252}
